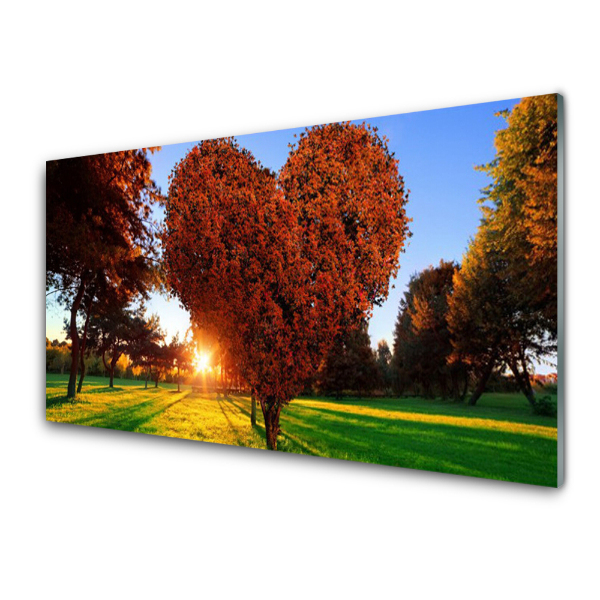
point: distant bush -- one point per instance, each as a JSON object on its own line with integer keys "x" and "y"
{"x": 58, "y": 358}
{"x": 544, "y": 406}
{"x": 94, "y": 365}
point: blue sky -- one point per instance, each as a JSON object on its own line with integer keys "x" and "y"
{"x": 437, "y": 150}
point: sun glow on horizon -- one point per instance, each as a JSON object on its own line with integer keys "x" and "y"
{"x": 202, "y": 362}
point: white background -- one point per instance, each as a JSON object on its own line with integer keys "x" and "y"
{"x": 97, "y": 514}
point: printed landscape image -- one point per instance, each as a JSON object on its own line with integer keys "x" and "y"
{"x": 381, "y": 290}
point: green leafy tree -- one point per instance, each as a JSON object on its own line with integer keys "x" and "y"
{"x": 504, "y": 307}
{"x": 520, "y": 205}
{"x": 162, "y": 361}
{"x": 143, "y": 347}
{"x": 422, "y": 346}
{"x": 384, "y": 365}
{"x": 479, "y": 309}
{"x": 350, "y": 364}
{"x": 179, "y": 355}
{"x": 114, "y": 333}
{"x": 493, "y": 324}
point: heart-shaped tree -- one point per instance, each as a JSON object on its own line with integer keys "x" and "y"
{"x": 276, "y": 266}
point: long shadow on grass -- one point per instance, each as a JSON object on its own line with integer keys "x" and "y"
{"x": 358, "y": 421}
{"x": 55, "y": 384}
{"x": 257, "y": 427}
{"x": 129, "y": 418}
{"x": 62, "y": 399}
{"x": 516, "y": 414}
{"x": 104, "y": 390}
{"x": 430, "y": 446}
{"x": 238, "y": 405}
{"x": 388, "y": 419}
{"x": 234, "y": 429}
{"x": 294, "y": 444}
{"x": 56, "y": 401}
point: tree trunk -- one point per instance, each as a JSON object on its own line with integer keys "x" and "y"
{"x": 113, "y": 364}
{"x": 253, "y": 410}
{"x": 455, "y": 392}
{"x": 147, "y": 376}
{"x": 83, "y": 345}
{"x": 465, "y": 386}
{"x": 271, "y": 416}
{"x": 485, "y": 375}
{"x": 81, "y": 376}
{"x": 104, "y": 361}
{"x": 523, "y": 381}
{"x": 427, "y": 388}
{"x": 71, "y": 391}
{"x": 178, "y": 381}
{"x": 458, "y": 386}
{"x": 271, "y": 431}
{"x": 443, "y": 383}
{"x": 529, "y": 393}
{"x": 222, "y": 380}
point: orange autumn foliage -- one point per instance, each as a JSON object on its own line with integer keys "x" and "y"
{"x": 275, "y": 267}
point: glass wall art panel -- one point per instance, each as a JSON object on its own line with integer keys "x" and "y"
{"x": 387, "y": 290}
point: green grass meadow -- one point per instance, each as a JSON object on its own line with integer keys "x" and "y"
{"x": 499, "y": 438}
